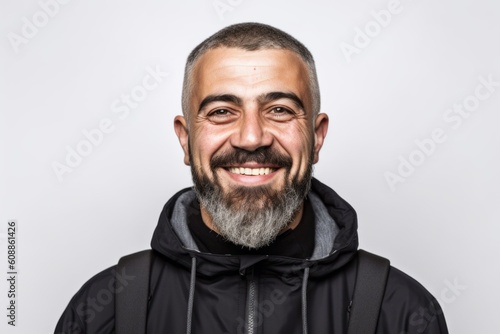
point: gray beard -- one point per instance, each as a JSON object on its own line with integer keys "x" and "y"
{"x": 251, "y": 216}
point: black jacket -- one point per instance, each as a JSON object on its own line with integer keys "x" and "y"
{"x": 255, "y": 293}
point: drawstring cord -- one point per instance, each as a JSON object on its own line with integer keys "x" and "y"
{"x": 304, "y": 300}
{"x": 191, "y": 298}
{"x": 191, "y": 295}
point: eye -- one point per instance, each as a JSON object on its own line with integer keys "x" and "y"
{"x": 219, "y": 112}
{"x": 221, "y": 115}
{"x": 281, "y": 113}
{"x": 278, "y": 110}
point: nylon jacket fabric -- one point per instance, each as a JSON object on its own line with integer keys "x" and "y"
{"x": 258, "y": 293}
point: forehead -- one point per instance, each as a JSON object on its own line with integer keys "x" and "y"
{"x": 249, "y": 73}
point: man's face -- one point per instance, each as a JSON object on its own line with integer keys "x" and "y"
{"x": 251, "y": 134}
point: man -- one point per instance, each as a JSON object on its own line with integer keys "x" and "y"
{"x": 257, "y": 245}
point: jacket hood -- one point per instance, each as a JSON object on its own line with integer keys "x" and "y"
{"x": 336, "y": 239}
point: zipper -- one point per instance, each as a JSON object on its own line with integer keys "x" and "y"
{"x": 349, "y": 311}
{"x": 251, "y": 302}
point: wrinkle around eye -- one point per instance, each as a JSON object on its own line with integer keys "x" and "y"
{"x": 220, "y": 115}
{"x": 282, "y": 113}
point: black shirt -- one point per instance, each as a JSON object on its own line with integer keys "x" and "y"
{"x": 296, "y": 243}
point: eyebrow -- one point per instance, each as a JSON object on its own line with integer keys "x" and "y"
{"x": 263, "y": 99}
{"x": 273, "y": 96}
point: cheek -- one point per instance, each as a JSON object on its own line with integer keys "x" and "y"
{"x": 206, "y": 143}
{"x": 297, "y": 141}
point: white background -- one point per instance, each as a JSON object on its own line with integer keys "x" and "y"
{"x": 440, "y": 225}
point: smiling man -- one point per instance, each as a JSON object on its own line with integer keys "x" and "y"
{"x": 251, "y": 133}
{"x": 257, "y": 245}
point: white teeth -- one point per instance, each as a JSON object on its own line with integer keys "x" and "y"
{"x": 251, "y": 171}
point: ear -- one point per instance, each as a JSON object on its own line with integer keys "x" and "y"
{"x": 181, "y": 129}
{"x": 320, "y": 130}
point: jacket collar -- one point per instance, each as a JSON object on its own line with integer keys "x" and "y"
{"x": 335, "y": 238}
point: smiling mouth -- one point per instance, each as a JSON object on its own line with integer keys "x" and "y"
{"x": 251, "y": 171}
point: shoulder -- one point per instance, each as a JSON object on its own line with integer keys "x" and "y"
{"x": 402, "y": 286}
{"x": 409, "y": 308}
{"x": 91, "y": 310}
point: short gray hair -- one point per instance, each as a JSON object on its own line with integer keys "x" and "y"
{"x": 251, "y": 37}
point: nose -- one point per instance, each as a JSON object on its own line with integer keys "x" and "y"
{"x": 252, "y": 132}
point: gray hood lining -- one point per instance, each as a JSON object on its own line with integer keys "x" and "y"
{"x": 179, "y": 220}
{"x": 325, "y": 230}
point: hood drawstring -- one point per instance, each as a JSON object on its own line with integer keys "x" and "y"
{"x": 304, "y": 300}
{"x": 191, "y": 295}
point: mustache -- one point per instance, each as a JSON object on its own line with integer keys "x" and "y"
{"x": 238, "y": 156}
